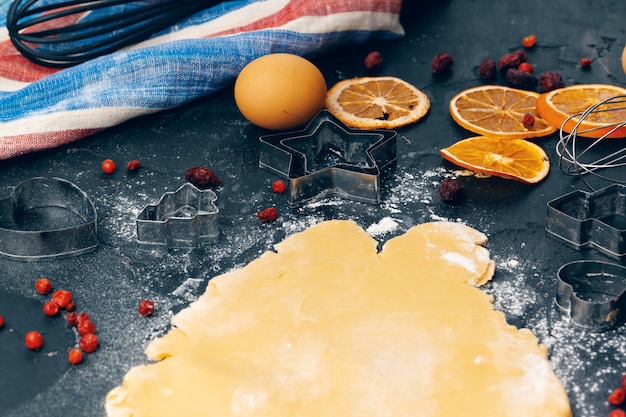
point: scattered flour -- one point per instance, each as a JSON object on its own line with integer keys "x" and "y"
{"x": 384, "y": 226}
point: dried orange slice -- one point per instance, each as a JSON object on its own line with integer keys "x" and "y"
{"x": 376, "y": 102}
{"x": 515, "y": 159}
{"x": 498, "y": 111}
{"x": 556, "y": 106}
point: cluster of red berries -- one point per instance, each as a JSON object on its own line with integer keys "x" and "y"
{"x": 617, "y": 398}
{"x": 63, "y": 300}
{"x": 518, "y": 71}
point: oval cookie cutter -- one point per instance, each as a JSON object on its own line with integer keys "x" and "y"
{"x": 592, "y": 293}
{"x": 47, "y": 218}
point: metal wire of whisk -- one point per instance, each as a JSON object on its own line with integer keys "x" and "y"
{"x": 595, "y": 151}
{"x": 40, "y": 30}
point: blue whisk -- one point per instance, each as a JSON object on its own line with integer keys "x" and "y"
{"x": 37, "y": 30}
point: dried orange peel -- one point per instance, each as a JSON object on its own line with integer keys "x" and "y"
{"x": 376, "y": 102}
{"x": 498, "y": 111}
{"x": 515, "y": 159}
{"x": 562, "y": 108}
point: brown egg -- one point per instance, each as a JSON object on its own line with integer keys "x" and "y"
{"x": 280, "y": 91}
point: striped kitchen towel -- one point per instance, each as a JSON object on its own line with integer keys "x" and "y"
{"x": 42, "y": 107}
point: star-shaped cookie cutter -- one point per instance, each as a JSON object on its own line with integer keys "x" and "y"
{"x": 591, "y": 220}
{"x": 181, "y": 219}
{"x": 328, "y": 158}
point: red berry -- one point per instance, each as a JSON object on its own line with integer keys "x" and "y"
{"x": 51, "y": 308}
{"x": 82, "y": 316}
{"x": 89, "y": 342}
{"x": 617, "y": 396}
{"x": 71, "y": 306}
{"x": 1, "y": 322}
{"x": 62, "y": 297}
{"x": 268, "y": 215}
{"x": 529, "y": 41}
{"x": 43, "y": 286}
{"x": 133, "y": 165}
{"x": 146, "y": 308}
{"x": 373, "y": 61}
{"x": 528, "y": 120}
{"x": 279, "y": 186}
{"x": 108, "y": 166}
{"x": 617, "y": 413}
{"x": 72, "y": 319}
{"x": 75, "y": 356}
{"x": 85, "y": 326}
{"x": 33, "y": 340}
{"x": 585, "y": 62}
{"x": 526, "y": 66}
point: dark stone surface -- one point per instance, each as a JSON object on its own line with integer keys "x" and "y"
{"x": 109, "y": 282}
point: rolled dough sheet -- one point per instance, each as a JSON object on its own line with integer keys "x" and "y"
{"x": 329, "y": 326}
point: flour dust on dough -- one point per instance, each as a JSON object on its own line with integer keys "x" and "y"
{"x": 329, "y": 326}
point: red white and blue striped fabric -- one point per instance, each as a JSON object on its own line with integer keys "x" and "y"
{"x": 42, "y": 108}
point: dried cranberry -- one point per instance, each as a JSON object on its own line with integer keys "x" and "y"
{"x": 528, "y": 120}
{"x": 442, "y": 63}
{"x": 72, "y": 319}
{"x": 373, "y": 61}
{"x": 526, "y": 66}
{"x": 279, "y": 186}
{"x": 202, "y": 177}
{"x": 51, "y": 308}
{"x": 520, "y": 79}
{"x": 511, "y": 60}
{"x": 146, "y": 308}
{"x": 268, "y": 215}
{"x": 585, "y": 62}
{"x": 617, "y": 413}
{"x": 450, "y": 190}
{"x": 85, "y": 326}
{"x": 617, "y": 396}
{"x": 75, "y": 356}
{"x": 529, "y": 41}
{"x": 43, "y": 286}
{"x": 550, "y": 80}
{"x": 89, "y": 342}
{"x": 487, "y": 69}
{"x": 62, "y": 297}
{"x": 133, "y": 165}
{"x": 71, "y": 306}
{"x": 33, "y": 340}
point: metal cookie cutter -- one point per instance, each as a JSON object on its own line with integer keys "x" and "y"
{"x": 592, "y": 293}
{"x": 596, "y": 219}
{"x": 181, "y": 219}
{"x": 329, "y": 158}
{"x": 47, "y": 218}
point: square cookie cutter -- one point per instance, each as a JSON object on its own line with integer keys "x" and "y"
{"x": 181, "y": 219}
{"x": 591, "y": 220}
{"x": 47, "y": 218}
{"x": 329, "y": 158}
{"x": 592, "y": 294}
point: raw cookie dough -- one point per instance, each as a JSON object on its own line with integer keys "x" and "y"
{"x": 329, "y": 326}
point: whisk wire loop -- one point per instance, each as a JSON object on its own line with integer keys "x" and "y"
{"x": 581, "y": 157}
{"x": 39, "y": 32}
